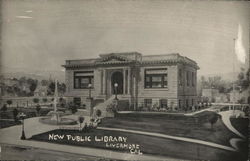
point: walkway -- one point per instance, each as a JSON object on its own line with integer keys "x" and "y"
{"x": 172, "y": 137}
{"x": 11, "y": 135}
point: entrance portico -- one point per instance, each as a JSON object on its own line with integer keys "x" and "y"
{"x": 110, "y": 76}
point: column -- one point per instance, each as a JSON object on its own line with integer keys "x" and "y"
{"x": 104, "y": 82}
{"x": 129, "y": 79}
{"x": 124, "y": 81}
{"x": 101, "y": 81}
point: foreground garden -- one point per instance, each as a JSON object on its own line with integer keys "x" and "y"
{"x": 196, "y": 127}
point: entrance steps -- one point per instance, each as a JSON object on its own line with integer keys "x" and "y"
{"x": 123, "y": 104}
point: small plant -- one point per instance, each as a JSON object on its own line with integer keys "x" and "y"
{"x": 36, "y": 100}
{"x": 38, "y": 109}
{"x": 80, "y": 119}
{"x": 4, "y": 108}
{"x": 98, "y": 113}
{"x": 15, "y": 113}
{"x": 45, "y": 100}
{"x": 213, "y": 118}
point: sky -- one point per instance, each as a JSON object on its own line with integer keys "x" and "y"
{"x": 39, "y": 35}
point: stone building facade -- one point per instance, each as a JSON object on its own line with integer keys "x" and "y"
{"x": 166, "y": 81}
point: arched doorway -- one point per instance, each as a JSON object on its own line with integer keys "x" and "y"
{"x": 117, "y": 77}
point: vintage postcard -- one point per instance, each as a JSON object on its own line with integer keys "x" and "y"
{"x": 124, "y": 80}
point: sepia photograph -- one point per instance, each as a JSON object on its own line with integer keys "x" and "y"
{"x": 116, "y": 80}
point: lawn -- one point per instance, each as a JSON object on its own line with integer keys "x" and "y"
{"x": 147, "y": 145}
{"x": 196, "y": 127}
{"x": 30, "y": 112}
{"x": 241, "y": 125}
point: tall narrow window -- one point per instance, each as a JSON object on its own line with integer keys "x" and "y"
{"x": 83, "y": 78}
{"x": 187, "y": 77}
{"x": 193, "y": 79}
{"x": 156, "y": 78}
{"x": 180, "y": 77}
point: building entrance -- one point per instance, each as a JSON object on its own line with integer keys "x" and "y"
{"x": 117, "y": 77}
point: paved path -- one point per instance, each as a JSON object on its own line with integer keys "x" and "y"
{"x": 11, "y": 136}
{"x": 172, "y": 137}
{"x": 196, "y": 112}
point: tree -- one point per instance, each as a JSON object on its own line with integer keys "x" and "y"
{"x": 9, "y": 102}
{"x": 45, "y": 100}
{"x": 51, "y": 88}
{"x": 213, "y": 118}
{"x": 80, "y": 119}
{"x": 38, "y": 109}
{"x": 15, "y": 113}
{"x": 44, "y": 82}
{"x": 243, "y": 79}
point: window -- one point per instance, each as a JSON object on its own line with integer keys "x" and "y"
{"x": 148, "y": 103}
{"x": 83, "y": 78}
{"x": 156, "y": 78}
{"x": 163, "y": 103}
{"x": 193, "y": 79}
{"x": 192, "y": 102}
{"x": 180, "y": 77}
{"x": 187, "y": 78}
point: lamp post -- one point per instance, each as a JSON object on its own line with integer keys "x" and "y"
{"x": 116, "y": 85}
{"x": 22, "y": 116}
{"x": 90, "y": 86}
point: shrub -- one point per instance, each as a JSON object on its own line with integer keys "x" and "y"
{"x": 35, "y": 100}
{"x": 4, "y": 108}
{"x": 73, "y": 109}
{"x": 9, "y": 102}
{"x": 15, "y": 113}
{"x": 212, "y": 119}
{"x": 98, "y": 113}
{"x": 38, "y": 108}
{"x": 80, "y": 119}
{"x": 45, "y": 100}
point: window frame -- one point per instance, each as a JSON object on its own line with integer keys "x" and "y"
{"x": 180, "y": 77}
{"x": 163, "y": 79}
{"x": 90, "y": 79}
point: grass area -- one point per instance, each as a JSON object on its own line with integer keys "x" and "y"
{"x": 147, "y": 145}
{"x": 241, "y": 125}
{"x": 196, "y": 127}
{"x": 8, "y": 123}
{"x": 30, "y": 112}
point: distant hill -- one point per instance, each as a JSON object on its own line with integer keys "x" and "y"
{"x": 39, "y": 75}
